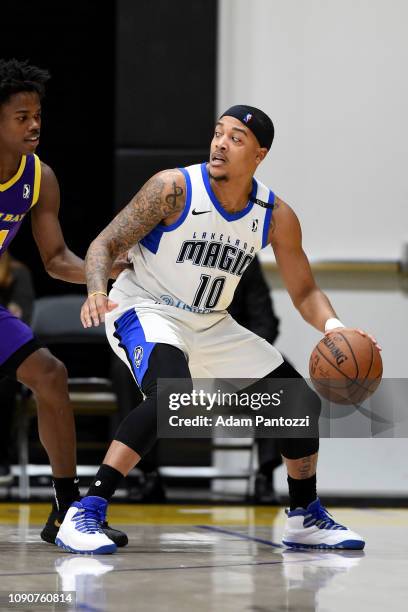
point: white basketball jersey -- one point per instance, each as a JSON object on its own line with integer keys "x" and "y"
{"x": 197, "y": 262}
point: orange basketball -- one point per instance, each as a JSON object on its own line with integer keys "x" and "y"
{"x": 345, "y": 367}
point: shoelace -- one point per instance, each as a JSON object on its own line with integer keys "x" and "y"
{"x": 322, "y": 519}
{"x": 88, "y": 520}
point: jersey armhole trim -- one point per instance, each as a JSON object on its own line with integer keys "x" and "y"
{"x": 267, "y": 221}
{"x": 37, "y": 180}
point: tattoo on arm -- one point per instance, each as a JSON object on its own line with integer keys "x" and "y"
{"x": 171, "y": 198}
{"x": 159, "y": 198}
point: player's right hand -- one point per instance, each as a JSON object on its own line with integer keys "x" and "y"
{"x": 94, "y": 308}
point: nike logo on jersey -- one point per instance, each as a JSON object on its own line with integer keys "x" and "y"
{"x": 200, "y": 212}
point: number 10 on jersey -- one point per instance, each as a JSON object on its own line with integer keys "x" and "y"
{"x": 209, "y": 292}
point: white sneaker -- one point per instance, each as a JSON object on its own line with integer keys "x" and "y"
{"x": 315, "y": 528}
{"x": 81, "y": 531}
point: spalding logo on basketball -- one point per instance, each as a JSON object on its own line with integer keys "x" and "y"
{"x": 345, "y": 367}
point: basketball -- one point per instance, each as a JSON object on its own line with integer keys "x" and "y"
{"x": 345, "y": 367}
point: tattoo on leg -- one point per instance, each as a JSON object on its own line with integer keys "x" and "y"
{"x": 306, "y": 467}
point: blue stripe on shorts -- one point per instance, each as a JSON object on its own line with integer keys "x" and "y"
{"x": 129, "y": 332}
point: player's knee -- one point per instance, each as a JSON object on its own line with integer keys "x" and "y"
{"x": 298, "y": 396}
{"x": 296, "y": 448}
{"x": 138, "y": 430}
{"x": 50, "y": 374}
{"x": 54, "y": 371}
{"x": 165, "y": 386}
{"x": 313, "y": 402}
{"x": 304, "y": 405}
{"x": 167, "y": 373}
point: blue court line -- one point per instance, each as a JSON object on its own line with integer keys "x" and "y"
{"x": 237, "y": 534}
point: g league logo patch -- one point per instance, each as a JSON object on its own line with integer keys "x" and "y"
{"x": 26, "y": 191}
{"x": 138, "y": 356}
{"x": 255, "y": 225}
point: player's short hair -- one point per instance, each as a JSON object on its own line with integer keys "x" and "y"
{"x": 16, "y": 77}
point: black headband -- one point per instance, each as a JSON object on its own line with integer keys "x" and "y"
{"x": 256, "y": 120}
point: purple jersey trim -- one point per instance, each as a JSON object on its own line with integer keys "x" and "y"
{"x": 16, "y": 199}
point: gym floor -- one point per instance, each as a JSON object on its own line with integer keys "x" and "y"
{"x": 202, "y": 558}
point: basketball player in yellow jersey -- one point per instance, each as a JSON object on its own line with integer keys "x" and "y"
{"x": 190, "y": 234}
{"x": 26, "y": 184}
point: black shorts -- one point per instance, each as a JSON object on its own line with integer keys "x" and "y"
{"x": 10, "y": 366}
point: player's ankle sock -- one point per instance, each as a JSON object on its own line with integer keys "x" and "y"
{"x": 66, "y": 491}
{"x": 302, "y": 492}
{"x": 105, "y": 482}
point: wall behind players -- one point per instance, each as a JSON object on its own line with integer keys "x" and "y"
{"x": 330, "y": 75}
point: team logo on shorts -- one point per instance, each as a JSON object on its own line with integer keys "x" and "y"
{"x": 255, "y": 225}
{"x": 138, "y": 356}
{"x": 26, "y": 191}
{"x": 167, "y": 299}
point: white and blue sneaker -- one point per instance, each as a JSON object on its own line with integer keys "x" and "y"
{"x": 315, "y": 528}
{"x": 81, "y": 530}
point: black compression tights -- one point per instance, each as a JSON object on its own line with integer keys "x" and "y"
{"x": 300, "y": 401}
{"x": 139, "y": 429}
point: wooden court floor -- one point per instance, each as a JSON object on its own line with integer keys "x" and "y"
{"x": 208, "y": 558}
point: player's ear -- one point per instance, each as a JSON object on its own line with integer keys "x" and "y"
{"x": 261, "y": 154}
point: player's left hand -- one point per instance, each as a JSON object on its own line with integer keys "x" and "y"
{"x": 359, "y": 331}
{"x": 121, "y": 263}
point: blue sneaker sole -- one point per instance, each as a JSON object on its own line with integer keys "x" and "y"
{"x": 346, "y": 544}
{"x": 102, "y": 550}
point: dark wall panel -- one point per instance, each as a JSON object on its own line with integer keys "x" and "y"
{"x": 165, "y": 95}
{"x": 165, "y": 72}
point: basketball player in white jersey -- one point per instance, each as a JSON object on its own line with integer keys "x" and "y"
{"x": 190, "y": 234}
